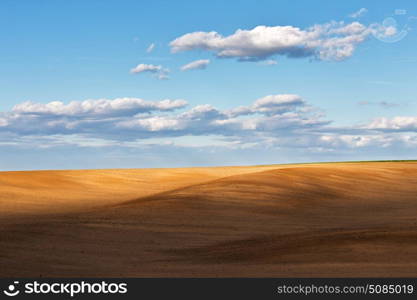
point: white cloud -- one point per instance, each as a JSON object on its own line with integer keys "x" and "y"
{"x": 272, "y": 101}
{"x": 3, "y": 122}
{"x": 99, "y": 107}
{"x": 274, "y": 114}
{"x": 146, "y": 68}
{"x": 330, "y": 41}
{"x": 156, "y": 123}
{"x": 359, "y": 13}
{"x": 270, "y": 122}
{"x": 129, "y": 118}
{"x": 400, "y": 123}
{"x": 162, "y": 76}
{"x": 150, "y": 48}
{"x": 196, "y": 65}
{"x": 268, "y": 62}
{"x": 158, "y": 70}
{"x": 270, "y": 105}
{"x": 355, "y": 141}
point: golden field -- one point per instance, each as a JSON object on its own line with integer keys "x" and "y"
{"x": 321, "y": 220}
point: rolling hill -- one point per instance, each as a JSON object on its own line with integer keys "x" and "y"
{"x": 321, "y": 220}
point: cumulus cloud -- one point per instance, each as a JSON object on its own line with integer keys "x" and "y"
{"x": 196, "y": 65}
{"x": 359, "y": 13}
{"x": 157, "y": 70}
{"x": 129, "y": 118}
{"x": 355, "y": 141}
{"x": 332, "y": 41}
{"x": 274, "y": 103}
{"x": 99, "y": 107}
{"x": 270, "y": 122}
{"x": 146, "y": 68}
{"x": 270, "y": 105}
{"x": 400, "y": 123}
{"x": 150, "y": 48}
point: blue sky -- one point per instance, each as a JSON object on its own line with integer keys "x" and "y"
{"x": 317, "y": 81}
